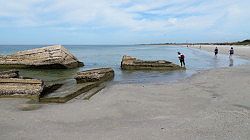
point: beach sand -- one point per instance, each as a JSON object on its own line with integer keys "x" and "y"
{"x": 212, "y": 104}
{"x": 242, "y": 51}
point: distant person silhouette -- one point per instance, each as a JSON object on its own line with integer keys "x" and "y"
{"x": 231, "y": 52}
{"x": 181, "y": 58}
{"x": 216, "y": 51}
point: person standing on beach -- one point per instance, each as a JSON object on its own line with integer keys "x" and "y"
{"x": 231, "y": 52}
{"x": 181, "y": 58}
{"x": 216, "y": 51}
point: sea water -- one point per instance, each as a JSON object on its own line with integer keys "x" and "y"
{"x": 98, "y": 56}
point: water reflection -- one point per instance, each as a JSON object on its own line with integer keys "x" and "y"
{"x": 231, "y": 62}
{"x": 216, "y": 62}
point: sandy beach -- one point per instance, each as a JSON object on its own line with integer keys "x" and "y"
{"x": 210, "y": 105}
{"x": 242, "y": 51}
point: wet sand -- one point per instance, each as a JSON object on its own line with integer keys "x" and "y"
{"x": 213, "y": 104}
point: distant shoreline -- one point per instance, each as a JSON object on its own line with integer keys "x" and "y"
{"x": 195, "y": 44}
{"x": 244, "y": 43}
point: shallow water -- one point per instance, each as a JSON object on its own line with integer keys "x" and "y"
{"x": 96, "y": 56}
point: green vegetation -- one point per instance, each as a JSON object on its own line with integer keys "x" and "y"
{"x": 244, "y": 42}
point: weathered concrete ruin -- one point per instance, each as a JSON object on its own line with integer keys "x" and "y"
{"x": 24, "y": 88}
{"x": 86, "y": 83}
{"x": 9, "y": 74}
{"x": 69, "y": 90}
{"x": 95, "y": 75}
{"x": 131, "y": 63}
{"x": 47, "y": 57}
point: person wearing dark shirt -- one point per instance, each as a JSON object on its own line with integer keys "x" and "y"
{"x": 216, "y": 51}
{"x": 231, "y": 52}
{"x": 181, "y": 58}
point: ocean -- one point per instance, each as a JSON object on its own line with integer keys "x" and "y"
{"x": 97, "y": 56}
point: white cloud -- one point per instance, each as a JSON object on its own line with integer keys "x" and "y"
{"x": 163, "y": 15}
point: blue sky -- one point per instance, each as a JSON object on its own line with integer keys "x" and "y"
{"x": 123, "y": 21}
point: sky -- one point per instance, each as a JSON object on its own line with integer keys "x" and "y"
{"x": 93, "y": 22}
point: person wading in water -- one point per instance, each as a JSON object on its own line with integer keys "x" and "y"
{"x": 231, "y": 52}
{"x": 181, "y": 58}
{"x": 216, "y": 51}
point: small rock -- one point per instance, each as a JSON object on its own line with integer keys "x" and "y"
{"x": 29, "y": 107}
{"x": 9, "y": 74}
{"x": 94, "y": 75}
